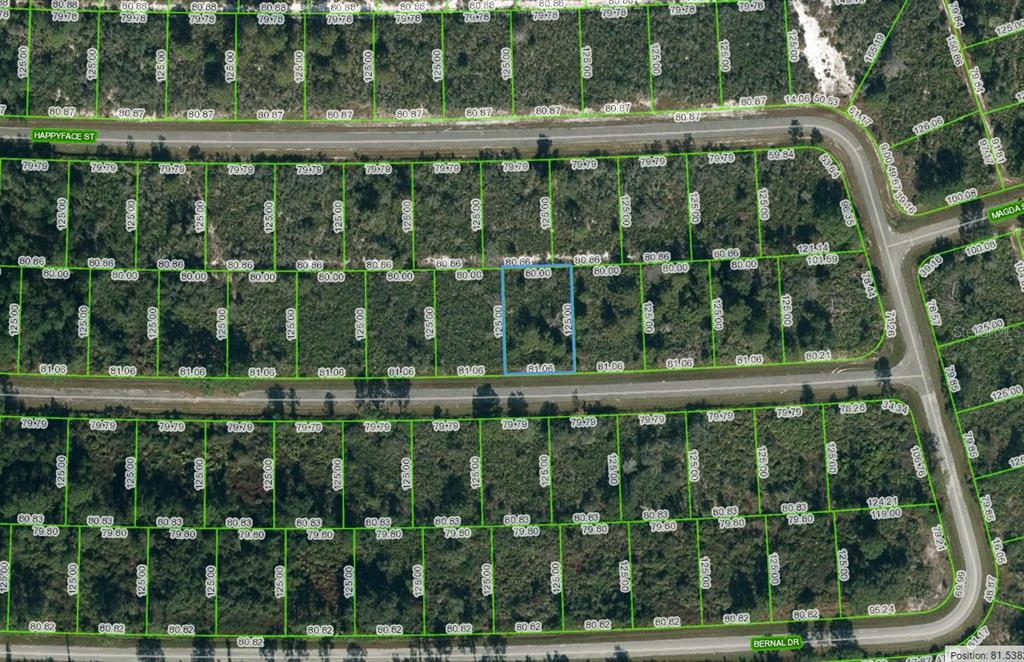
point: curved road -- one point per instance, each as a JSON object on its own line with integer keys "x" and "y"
{"x": 914, "y": 371}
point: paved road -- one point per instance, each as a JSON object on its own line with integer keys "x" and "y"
{"x": 607, "y": 391}
{"x": 862, "y": 171}
{"x": 914, "y": 370}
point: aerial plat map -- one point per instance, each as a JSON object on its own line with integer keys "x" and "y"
{"x": 542, "y": 329}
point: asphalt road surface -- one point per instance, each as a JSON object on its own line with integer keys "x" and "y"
{"x": 915, "y": 371}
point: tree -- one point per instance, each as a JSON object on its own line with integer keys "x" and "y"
{"x": 275, "y": 403}
{"x": 796, "y": 131}
{"x": 543, "y": 147}
{"x": 494, "y": 649}
{"x": 972, "y": 220}
{"x": 517, "y": 405}
{"x": 883, "y": 373}
{"x": 842, "y": 637}
{"x": 355, "y": 653}
{"x": 150, "y": 650}
{"x": 620, "y": 655}
{"x": 203, "y": 649}
{"x": 548, "y": 408}
{"x": 399, "y": 391}
{"x": 486, "y": 403}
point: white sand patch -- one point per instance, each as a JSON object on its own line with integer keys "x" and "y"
{"x": 825, "y": 61}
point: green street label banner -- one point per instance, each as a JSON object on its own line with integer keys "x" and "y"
{"x": 64, "y": 136}
{"x": 997, "y": 214}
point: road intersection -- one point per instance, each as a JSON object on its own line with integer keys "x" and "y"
{"x": 892, "y": 249}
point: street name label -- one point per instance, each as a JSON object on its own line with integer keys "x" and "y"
{"x": 781, "y": 642}
{"x": 997, "y": 214}
{"x": 71, "y": 136}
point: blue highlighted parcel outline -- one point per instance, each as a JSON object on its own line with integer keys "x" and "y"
{"x": 504, "y": 319}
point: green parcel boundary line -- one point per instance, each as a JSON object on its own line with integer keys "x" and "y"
{"x": 994, "y": 583}
{"x": 855, "y": 261}
{"x": 644, "y": 87}
{"x": 315, "y": 531}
